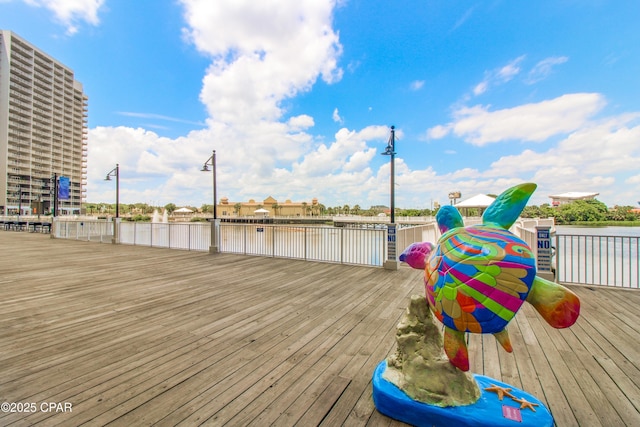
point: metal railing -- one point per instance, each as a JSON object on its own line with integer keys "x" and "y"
{"x": 324, "y": 244}
{"x": 92, "y": 230}
{"x": 584, "y": 259}
{"x": 187, "y": 236}
{"x": 598, "y": 260}
{"x": 420, "y": 233}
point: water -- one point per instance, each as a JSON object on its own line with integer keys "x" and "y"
{"x": 599, "y": 255}
{"x": 598, "y": 231}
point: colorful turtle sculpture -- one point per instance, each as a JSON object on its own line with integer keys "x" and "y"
{"x": 477, "y": 277}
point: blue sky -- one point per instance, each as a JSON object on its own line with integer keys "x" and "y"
{"x": 297, "y": 96}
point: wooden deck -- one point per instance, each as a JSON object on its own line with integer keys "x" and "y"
{"x": 135, "y": 336}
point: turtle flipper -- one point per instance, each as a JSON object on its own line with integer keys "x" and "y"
{"x": 448, "y": 217}
{"x": 556, "y": 304}
{"x": 416, "y": 254}
{"x": 506, "y": 208}
{"x": 503, "y": 338}
{"x": 456, "y": 348}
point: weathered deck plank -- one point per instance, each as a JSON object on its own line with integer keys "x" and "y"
{"x": 140, "y": 336}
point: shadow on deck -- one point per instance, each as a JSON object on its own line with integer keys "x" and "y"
{"x": 138, "y": 336}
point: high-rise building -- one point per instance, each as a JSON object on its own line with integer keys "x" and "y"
{"x": 43, "y": 132}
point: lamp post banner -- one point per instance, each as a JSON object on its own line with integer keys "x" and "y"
{"x": 63, "y": 188}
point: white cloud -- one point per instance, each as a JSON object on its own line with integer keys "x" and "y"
{"x": 498, "y": 76}
{"x": 336, "y": 116}
{"x": 417, "y": 84}
{"x": 252, "y": 45}
{"x": 71, "y": 12}
{"x": 158, "y": 117}
{"x": 301, "y": 122}
{"x": 544, "y": 68}
{"x": 510, "y": 70}
{"x": 438, "y": 131}
{"x": 481, "y": 88}
{"x": 586, "y": 160}
{"x": 349, "y": 152}
{"x": 530, "y": 122}
{"x": 464, "y": 18}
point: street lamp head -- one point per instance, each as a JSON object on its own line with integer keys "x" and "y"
{"x": 108, "y": 178}
{"x": 205, "y": 168}
{"x": 388, "y": 151}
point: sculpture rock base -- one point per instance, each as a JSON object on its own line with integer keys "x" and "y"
{"x": 420, "y": 368}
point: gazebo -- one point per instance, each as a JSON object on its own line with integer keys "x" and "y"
{"x": 261, "y": 213}
{"x": 182, "y": 213}
{"x": 480, "y": 202}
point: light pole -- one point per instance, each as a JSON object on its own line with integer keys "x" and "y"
{"x": 53, "y": 194}
{"x": 391, "y": 263}
{"x": 214, "y": 224}
{"x": 115, "y": 172}
{"x": 19, "y": 200}
{"x": 390, "y": 151}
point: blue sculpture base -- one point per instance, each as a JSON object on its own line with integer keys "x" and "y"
{"x": 517, "y": 408}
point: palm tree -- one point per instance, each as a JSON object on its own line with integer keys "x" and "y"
{"x": 236, "y": 208}
{"x": 170, "y": 207}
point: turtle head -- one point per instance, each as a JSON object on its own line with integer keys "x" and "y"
{"x": 416, "y": 254}
{"x": 448, "y": 218}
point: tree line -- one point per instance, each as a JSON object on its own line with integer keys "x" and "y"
{"x": 582, "y": 211}
{"x": 574, "y": 212}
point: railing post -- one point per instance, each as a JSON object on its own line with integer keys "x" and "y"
{"x": 342, "y": 245}
{"x": 305, "y": 243}
{"x": 273, "y": 241}
{"x": 116, "y": 231}
{"x": 557, "y": 256}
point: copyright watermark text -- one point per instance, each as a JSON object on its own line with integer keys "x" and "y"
{"x": 21, "y": 407}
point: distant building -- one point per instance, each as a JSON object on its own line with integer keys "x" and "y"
{"x": 564, "y": 198}
{"x": 252, "y": 208}
{"x": 43, "y": 131}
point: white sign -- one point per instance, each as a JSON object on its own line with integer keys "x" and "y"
{"x": 391, "y": 242}
{"x": 543, "y": 235}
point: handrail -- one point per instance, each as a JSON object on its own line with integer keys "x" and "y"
{"x": 324, "y": 244}
{"x": 583, "y": 259}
